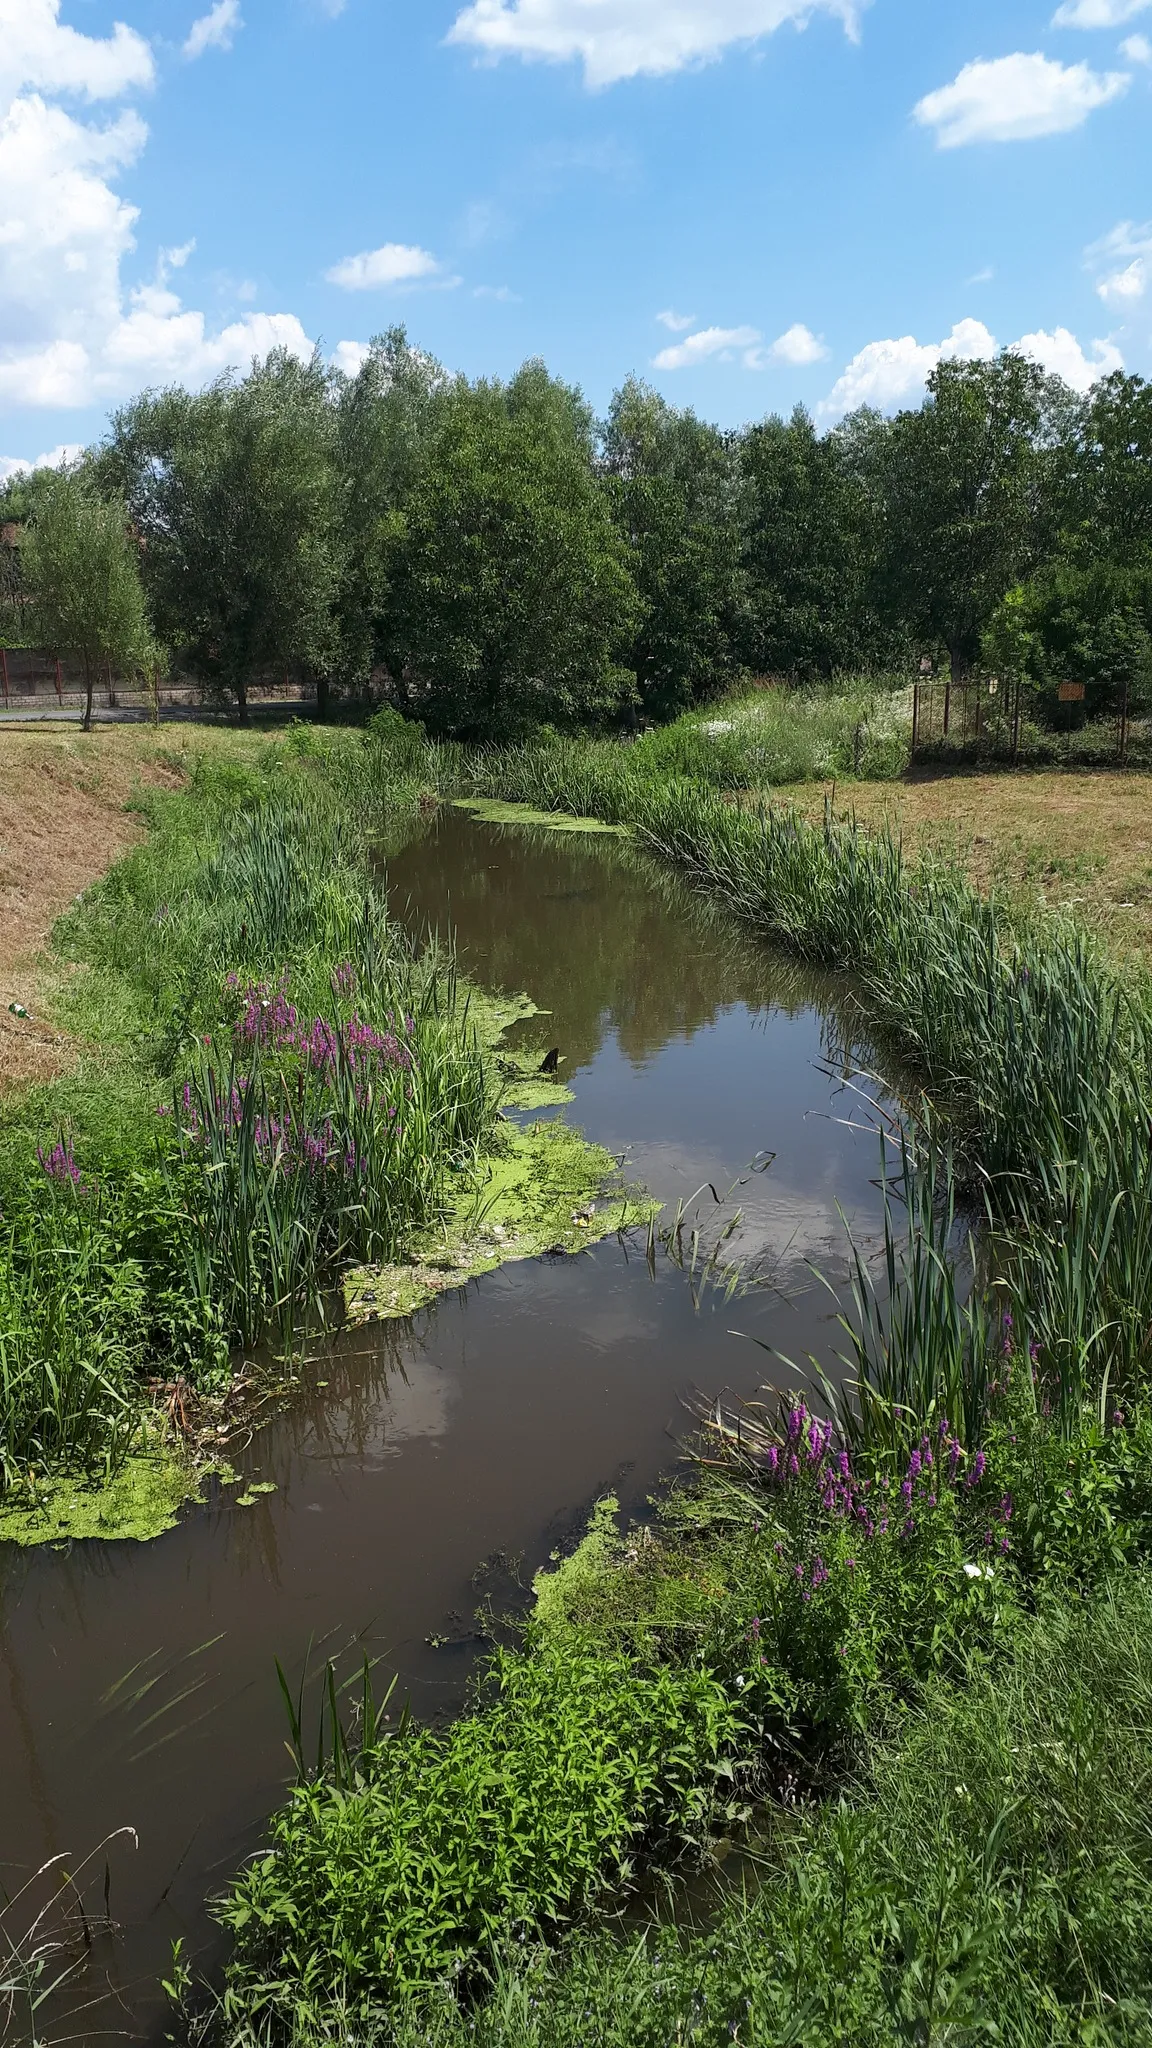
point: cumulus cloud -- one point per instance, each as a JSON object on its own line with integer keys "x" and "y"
{"x": 1137, "y": 49}
{"x": 798, "y": 345}
{"x": 1123, "y": 259}
{"x": 676, "y": 323}
{"x": 349, "y": 356}
{"x": 888, "y": 374}
{"x": 1062, "y": 356}
{"x": 1097, "y": 13}
{"x": 19, "y": 465}
{"x": 38, "y": 54}
{"x": 72, "y": 333}
{"x": 891, "y": 374}
{"x": 618, "y": 39}
{"x": 215, "y": 30}
{"x": 709, "y": 341}
{"x": 395, "y": 263}
{"x": 1013, "y": 99}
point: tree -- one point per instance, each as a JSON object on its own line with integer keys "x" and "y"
{"x": 674, "y": 489}
{"x": 1112, "y": 510}
{"x": 506, "y": 595}
{"x": 81, "y": 563}
{"x": 234, "y": 493}
{"x": 809, "y": 544}
{"x": 385, "y": 416}
{"x": 960, "y": 487}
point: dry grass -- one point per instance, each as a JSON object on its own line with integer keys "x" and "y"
{"x": 1079, "y": 840}
{"x": 63, "y": 821}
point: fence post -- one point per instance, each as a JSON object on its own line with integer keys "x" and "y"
{"x": 915, "y": 715}
{"x": 4, "y": 671}
{"x": 59, "y": 683}
{"x": 1124, "y": 726}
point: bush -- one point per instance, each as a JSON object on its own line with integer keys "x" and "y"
{"x": 517, "y": 1817}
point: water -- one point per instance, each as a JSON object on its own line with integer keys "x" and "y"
{"x": 437, "y": 1462}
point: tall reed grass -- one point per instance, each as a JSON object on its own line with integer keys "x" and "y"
{"x": 1036, "y": 1048}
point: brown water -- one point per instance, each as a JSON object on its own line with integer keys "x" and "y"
{"x": 137, "y": 1683}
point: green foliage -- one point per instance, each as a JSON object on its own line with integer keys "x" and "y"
{"x": 80, "y": 565}
{"x": 811, "y": 537}
{"x": 674, "y": 488}
{"x": 1089, "y": 624}
{"x": 508, "y": 599}
{"x": 232, "y": 490}
{"x": 446, "y": 1845}
{"x": 283, "y": 1087}
{"x": 958, "y": 479}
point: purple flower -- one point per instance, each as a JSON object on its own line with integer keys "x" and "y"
{"x": 59, "y": 1165}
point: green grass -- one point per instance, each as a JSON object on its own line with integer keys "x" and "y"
{"x": 276, "y": 1085}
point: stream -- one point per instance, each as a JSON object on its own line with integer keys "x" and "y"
{"x": 430, "y": 1464}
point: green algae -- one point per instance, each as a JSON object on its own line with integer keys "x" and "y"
{"x": 139, "y": 1504}
{"x": 522, "y": 1085}
{"x": 491, "y": 811}
{"x": 546, "y": 1189}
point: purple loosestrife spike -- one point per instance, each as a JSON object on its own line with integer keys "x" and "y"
{"x": 59, "y": 1165}
{"x": 793, "y": 1465}
{"x": 914, "y": 1465}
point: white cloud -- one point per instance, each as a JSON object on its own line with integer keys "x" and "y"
{"x": 1013, "y": 99}
{"x": 72, "y": 334}
{"x": 1097, "y": 13}
{"x": 798, "y": 346}
{"x": 18, "y": 465}
{"x": 618, "y": 39}
{"x": 1124, "y": 257}
{"x": 215, "y": 30}
{"x": 982, "y": 276}
{"x": 394, "y": 263}
{"x": 890, "y": 374}
{"x": 349, "y": 356}
{"x": 36, "y": 53}
{"x": 502, "y": 293}
{"x": 1062, "y": 356}
{"x": 1137, "y": 49}
{"x": 710, "y": 341}
{"x": 676, "y": 323}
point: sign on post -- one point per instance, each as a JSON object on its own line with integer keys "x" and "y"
{"x": 1071, "y": 693}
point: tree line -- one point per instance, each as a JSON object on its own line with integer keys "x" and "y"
{"x": 491, "y": 556}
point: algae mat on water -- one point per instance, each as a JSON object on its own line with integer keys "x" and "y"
{"x": 140, "y": 1503}
{"x": 492, "y": 811}
{"x": 549, "y": 1189}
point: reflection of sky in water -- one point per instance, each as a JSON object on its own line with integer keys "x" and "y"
{"x": 490, "y": 1424}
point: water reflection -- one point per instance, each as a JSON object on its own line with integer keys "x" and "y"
{"x": 137, "y": 1683}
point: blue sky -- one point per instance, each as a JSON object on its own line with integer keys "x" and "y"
{"x": 750, "y": 202}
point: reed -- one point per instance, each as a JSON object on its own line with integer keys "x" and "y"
{"x": 1020, "y": 1031}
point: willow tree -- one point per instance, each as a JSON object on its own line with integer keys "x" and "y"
{"x": 81, "y": 565}
{"x": 233, "y": 490}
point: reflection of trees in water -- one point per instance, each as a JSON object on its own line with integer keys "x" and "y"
{"x": 600, "y": 935}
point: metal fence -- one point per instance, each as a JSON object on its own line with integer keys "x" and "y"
{"x": 32, "y": 679}
{"x": 988, "y": 716}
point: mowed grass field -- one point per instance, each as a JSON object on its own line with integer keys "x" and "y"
{"x": 1075, "y": 840}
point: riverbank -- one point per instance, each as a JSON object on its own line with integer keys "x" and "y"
{"x": 842, "y": 1581}
{"x": 249, "y": 1083}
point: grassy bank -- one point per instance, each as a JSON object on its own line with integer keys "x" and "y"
{"x": 268, "y": 1086}
{"x": 909, "y": 1627}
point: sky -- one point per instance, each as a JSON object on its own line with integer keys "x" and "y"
{"x": 749, "y": 203}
